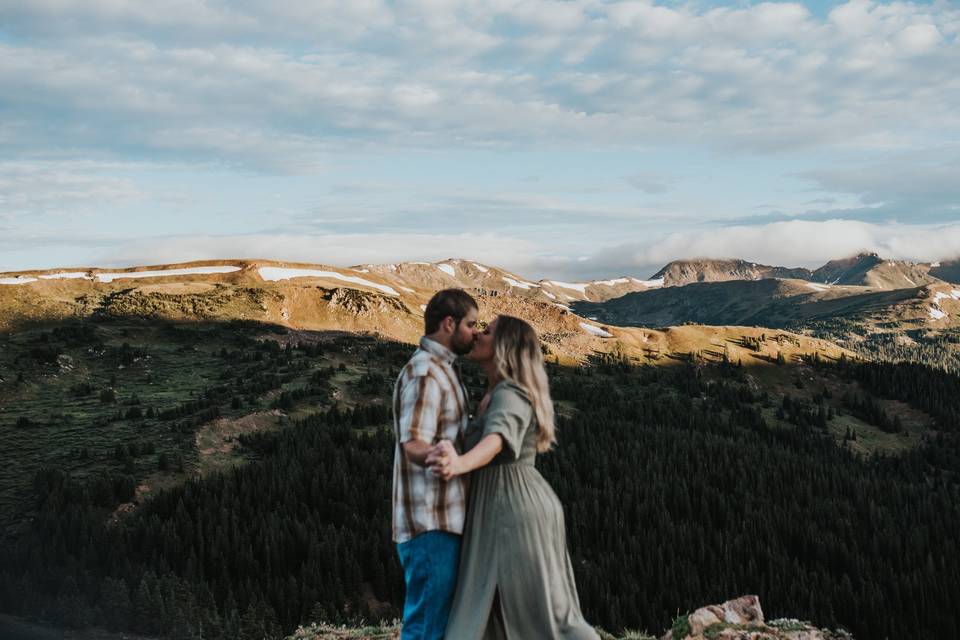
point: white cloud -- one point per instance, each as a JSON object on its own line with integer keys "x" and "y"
{"x": 919, "y": 38}
{"x": 911, "y": 184}
{"x": 31, "y": 188}
{"x": 122, "y": 75}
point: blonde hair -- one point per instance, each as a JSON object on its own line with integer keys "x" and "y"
{"x": 516, "y": 350}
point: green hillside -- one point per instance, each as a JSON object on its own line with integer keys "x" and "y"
{"x": 251, "y": 492}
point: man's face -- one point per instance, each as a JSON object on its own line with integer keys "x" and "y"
{"x": 465, "y": 334}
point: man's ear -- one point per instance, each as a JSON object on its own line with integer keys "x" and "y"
{"x": 449, "y": 325}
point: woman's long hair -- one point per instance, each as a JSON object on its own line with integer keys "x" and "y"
{"x": 516, "y": 350}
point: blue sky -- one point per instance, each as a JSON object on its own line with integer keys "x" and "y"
{"x": 573, "y": 139}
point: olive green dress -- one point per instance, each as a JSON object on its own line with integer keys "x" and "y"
{"x": 515, "y": 579}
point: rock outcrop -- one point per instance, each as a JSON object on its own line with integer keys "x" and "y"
{"x": 742, "y": 619}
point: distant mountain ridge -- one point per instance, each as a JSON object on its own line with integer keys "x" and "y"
{"x": 392, "y": 279}
{"x": 864, "y": 269}
{"x": 468, "y": 274}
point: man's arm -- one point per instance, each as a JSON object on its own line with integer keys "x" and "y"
{"x": 420, "y": 404}
{"x": 416, "y": 452}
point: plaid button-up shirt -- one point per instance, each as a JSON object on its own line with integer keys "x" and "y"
{"x": 429, "y": 404}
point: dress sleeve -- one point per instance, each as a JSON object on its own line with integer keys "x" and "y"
{"x": 509, "y": 414}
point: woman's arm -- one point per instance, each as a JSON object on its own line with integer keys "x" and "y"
{"x": 447, "y": 463}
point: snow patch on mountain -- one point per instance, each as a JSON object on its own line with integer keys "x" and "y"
{"x": 520, "y": 284}
{"x": 576, "y": 286}
{"x": 72, "y": 275}
{"x": 272, "y": 274}
{"x": 446, "y": 268}
{"x": 17, "y": 280}
{"x": 597, "y": 331}
{"x": 650, "y": 284}
{"x": 192, "y": 271}
{"x": 939, "y": 295}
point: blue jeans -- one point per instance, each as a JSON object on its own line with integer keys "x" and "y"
{"x": 430, "y": 563}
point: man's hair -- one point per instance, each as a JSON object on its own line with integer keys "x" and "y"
{"x": 455, "y": 303}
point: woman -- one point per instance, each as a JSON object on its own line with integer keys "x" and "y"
{"x": 515, "y": 578}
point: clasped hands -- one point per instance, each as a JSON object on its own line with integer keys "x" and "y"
{"x": 444, "y": 461}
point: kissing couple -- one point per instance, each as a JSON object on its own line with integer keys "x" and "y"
{"x": 479, "y": 532}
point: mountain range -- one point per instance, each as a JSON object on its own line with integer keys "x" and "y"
{"x": 844, "y": 300}
{"x": 386, "y": 300}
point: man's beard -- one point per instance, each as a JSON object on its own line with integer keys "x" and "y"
{"x": 461, "y": 348}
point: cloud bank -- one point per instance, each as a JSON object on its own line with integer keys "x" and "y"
{"x": 276, "y": 86}
{"x": 848, "y": 123}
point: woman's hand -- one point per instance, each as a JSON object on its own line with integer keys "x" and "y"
{"x": 444, "y": 461}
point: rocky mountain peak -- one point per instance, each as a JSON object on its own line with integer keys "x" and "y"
{"x": 870, "y": 270}
{"x": 682, "y": 272}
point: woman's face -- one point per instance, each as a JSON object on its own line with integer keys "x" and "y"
{"x": 483, "y": 347}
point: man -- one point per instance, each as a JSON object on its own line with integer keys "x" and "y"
{"x": 429, "y": 405}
